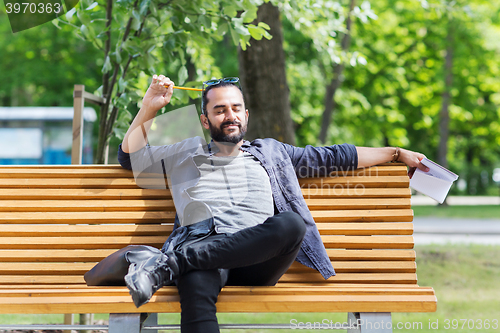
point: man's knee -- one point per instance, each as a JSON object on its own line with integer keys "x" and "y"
{"x": 290, "y": 225}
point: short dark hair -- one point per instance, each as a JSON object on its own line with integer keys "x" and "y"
{"x": 204, "y": 98}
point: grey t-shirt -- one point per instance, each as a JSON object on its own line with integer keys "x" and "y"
{"x": 237, "y": 190}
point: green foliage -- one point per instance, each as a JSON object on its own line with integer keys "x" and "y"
{"x": 40, "y": 66}
{"x": 393, "y": 81}
{"x": 392, "y": 84}
{"x": 138, "y": 37}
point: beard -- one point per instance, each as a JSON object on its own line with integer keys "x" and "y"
{"x": 218, "y": 135}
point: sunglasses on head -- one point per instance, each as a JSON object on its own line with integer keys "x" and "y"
{"x": 214, "y": 82}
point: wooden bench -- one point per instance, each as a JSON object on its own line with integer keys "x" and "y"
{"x": 57, "y": 222}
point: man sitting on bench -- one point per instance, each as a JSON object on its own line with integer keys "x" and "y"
{"x": 241, "y": 217}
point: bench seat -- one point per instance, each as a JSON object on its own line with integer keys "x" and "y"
{"x": 57, "y": 222}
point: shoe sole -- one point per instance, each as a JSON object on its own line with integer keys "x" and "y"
{"x": 134, "y": 292}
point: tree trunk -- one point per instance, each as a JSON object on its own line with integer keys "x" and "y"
{"x": 336, "y": 81}
{"x": 102, "y": 139}
{"x": 444, "y": 117}
{"x": 263, "y": 79}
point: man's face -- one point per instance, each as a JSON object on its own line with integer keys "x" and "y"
{"x": 227, "y": 117}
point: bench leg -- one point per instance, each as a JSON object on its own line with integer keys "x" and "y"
{"x": 370, "y": 322}
{"x": 132, "y": 322}
{"x": 152, "y": 320}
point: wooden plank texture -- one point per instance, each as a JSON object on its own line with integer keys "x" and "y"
{"x": 57, "y": 222}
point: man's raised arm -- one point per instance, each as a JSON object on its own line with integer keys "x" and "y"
{"x": 155, "y": 98}
{"x": 368, "y": 156}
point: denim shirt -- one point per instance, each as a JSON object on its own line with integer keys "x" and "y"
{"x": 285, "y": 164}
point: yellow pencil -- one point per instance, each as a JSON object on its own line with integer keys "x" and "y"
{"x": 186, "y": 88}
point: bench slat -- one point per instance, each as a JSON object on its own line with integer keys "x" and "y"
{"x": 115, "y": 171}
{"x": 87, "y": 218}
{"x": 69, "y": 171}
{"x": 362, "y": 228}
{"x": 357, "y": 182}
{"x": 228, "y": 303}
{"x": 78, "y": 242}
{"x": 394, "y": 169}
{"x": 368, "y": 203}
{"x": 363, "y": 266}
{"x": 400, "y": 278}
{"x": 367, "y": 254}
{"x": 374, "y": 278}
{"x": 394, "y": 215}
{"x": 84, "y": 205}
{"x": 279, "y": 289}
{"x": 51, "y": 255}
{"x": 45, "y": 230}
{"x": 93, "y": 255}
{"x": 82, "y": 267}
{"x": 368, "y": 242}
{"x": 50, "y": 230}
{"x": 84, "y": 242}
{"x": 76, "y": 194}
{"x": 380, "y": 215}
{"x": 342, "y": 192}
{"x": 68, "y": 183}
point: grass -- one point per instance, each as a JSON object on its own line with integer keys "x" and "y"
{"x": 485, "y": 212}
{"x": 465, "y": 278}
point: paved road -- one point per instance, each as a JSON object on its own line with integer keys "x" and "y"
{"x": 422, "y": 200}
{"x": 456, "y": 230}
{"x": 429, "y": 230}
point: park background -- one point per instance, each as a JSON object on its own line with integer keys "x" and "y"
{"x": 423, "y": 75}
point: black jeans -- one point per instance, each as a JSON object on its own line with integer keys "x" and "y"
{"x": 256, "y": 256}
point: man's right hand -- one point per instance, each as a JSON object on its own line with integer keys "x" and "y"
{"x": 155, "y": 98}
{"x": 158, "y": 95}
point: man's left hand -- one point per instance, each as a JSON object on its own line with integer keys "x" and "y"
{"x": 412, "y": 160}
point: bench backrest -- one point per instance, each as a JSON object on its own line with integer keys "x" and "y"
{"x": 57, "y": 222}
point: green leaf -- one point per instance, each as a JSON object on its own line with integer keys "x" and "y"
{"x": 83, "y": 17}
{"x": 222, "y": 29}
{"x": 264, "y": 25}
{"x": 183, "y": 75}
{"x": 56, "y": 23}
{"x": 107, "y": 65}
{"x": 122, "y": 85}
{"x": 143, "y": 7}
{"x": 124, "y": 118}
{"x": 70, "y": 13}
{"x": 205, "y": 21}
{"x": 92, "y": 6}
{"x": 230, "y": 11}
{"x": 119, "y": 133}
{"x": 118, "y": 56}
{"x": 239, "y": 27}
{"x": 123, "y": 100}
{"x": 85, "y": 31}
{"x": 234, "y": 35}
{"x": 256, "y": 32}
{"x": 249, "y": 15}
{"x": 193, "y": 94}
{"x": 243, "y": 45}
{"x": 174, "y": 20}
{"x": 153, "y": 8}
